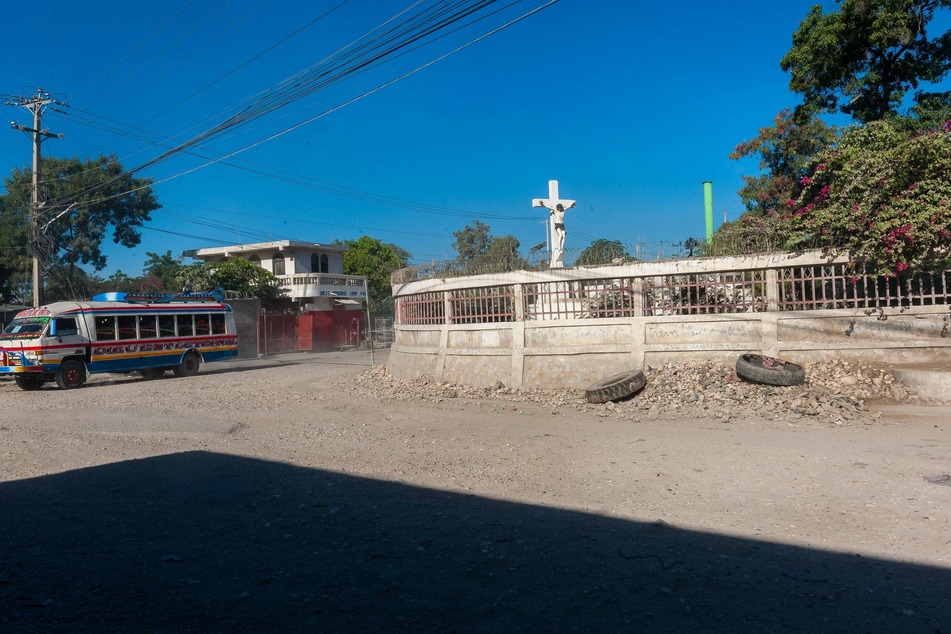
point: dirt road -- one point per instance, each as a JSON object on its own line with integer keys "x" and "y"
{"x": 266, "y": 495}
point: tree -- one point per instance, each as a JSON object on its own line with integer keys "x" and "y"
{"x": 472, "y": 242}
{"x": 376, "y": 261}
{"x": 478, "y": 251}
{"x": 164, "y": 267}
{"x": 234, "y": 274}
{"x": 930, "y": 111}
{"x": 602, "y": 251}
{"x": 105, "y": 198}
{"x": 883, "y": 195}
{"x": 784, "y": 150}
{"x": 503, "y": 253}
{"x": 864, "y": 58}
{"x": 15, "y": 263}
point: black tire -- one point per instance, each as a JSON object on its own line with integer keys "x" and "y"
{"x": 71, "y": 374}
{"x": 29, "y": 383}
{"x": 150, "y": 374}
{"x": 189, "y": 365}
{"x": 616, "y": 387}
{"x": 769, "y": 370}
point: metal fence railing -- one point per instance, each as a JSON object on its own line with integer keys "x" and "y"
{"x": 719, "y": 286}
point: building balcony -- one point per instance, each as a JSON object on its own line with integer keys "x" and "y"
{"x": 303, "y": 286}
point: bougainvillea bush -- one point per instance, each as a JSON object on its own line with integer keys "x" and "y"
{"x": 881, "y": 195}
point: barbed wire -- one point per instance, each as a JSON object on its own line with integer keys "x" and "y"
{"x": 752, "y": 240}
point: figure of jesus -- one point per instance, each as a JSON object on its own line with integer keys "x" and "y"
{"x": 556, "y": 213}
{"x": 558, "y": 234}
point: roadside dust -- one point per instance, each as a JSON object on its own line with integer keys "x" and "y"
{"x": 315, "y": 493}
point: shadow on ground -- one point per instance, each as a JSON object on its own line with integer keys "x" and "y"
{"x": 199, "y": 541}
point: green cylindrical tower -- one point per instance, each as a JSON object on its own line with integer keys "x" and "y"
{"x": 708, "y": 207}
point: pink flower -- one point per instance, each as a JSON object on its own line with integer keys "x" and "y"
{"x": 821, "y": 167}
{"x": 805, "y": 180}
{"x": 902, "y": 267}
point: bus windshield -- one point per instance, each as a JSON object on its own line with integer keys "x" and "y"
{"x": 26, "y": 326}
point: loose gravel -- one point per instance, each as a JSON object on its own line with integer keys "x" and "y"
{"x": 835, "y": 392}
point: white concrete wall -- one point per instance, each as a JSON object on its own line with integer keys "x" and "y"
{"x": 575, "y": 353}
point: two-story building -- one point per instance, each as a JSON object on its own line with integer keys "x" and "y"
{"x": 311, "y": 275}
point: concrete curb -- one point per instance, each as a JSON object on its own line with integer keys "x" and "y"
{"x": 927, "y": 382}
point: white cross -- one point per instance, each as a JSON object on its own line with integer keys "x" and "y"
{"x": 556, "y": 225}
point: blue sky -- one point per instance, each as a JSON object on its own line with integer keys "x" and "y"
{"x": 629, "y": 105}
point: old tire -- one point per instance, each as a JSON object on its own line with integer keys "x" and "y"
{"x": 616, "y": 387}
{"x": 769, "y": 370}
{"x": 189, "y": 365}
{"x": 150, "y": 374}
{"x": 29, "y": 383}
{"x": 71, "y": 374}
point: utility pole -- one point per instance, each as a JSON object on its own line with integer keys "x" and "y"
{"x": 40, "y": 248}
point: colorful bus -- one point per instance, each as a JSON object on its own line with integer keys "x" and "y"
{"x": 66, "y": 341}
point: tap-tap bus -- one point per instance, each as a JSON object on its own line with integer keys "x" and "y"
{"x": 65, "y": 342}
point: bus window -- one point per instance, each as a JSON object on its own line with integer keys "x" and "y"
{"x": 126, "y": 326}
{"x": 185, "y": 326}
{"x": 147, "y": 326}
{"x": 105, "y": 328}
{"x": 166, "y": 325}
{"x": 202, "y": 327}
{"x": 218, "y": 324}
{"x": 64, "y": 326}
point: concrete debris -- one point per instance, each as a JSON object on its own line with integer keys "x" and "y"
{"x": 835, "y": 392}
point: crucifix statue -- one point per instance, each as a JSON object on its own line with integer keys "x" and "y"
{"x": 556, "y": 213}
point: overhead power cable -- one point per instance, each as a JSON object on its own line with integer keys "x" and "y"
{"x": 96, "y": 122}
{"x": 165, "y": 50}
{"x": 278, "y": 98}
{"x": 133, "y": 51}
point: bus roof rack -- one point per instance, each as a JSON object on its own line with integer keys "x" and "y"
{"x": 159, "y": 298}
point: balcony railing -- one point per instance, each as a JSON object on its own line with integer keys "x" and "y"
{"x": 303, "y": 285}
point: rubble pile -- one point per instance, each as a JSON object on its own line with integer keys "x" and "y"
{"x": 834, "y": 392}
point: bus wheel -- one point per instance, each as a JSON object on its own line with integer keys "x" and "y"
{"x": 188, "y": 366}
{"x": 152, "y": 373}
{"x": 72, "y": 374}
{"x": 29, "y": 383}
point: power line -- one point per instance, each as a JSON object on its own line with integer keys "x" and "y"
{"x": 202, "y": 138}
{"x": 299, "y": 179}
{"x": 168, "y": 48}
{"x": 190, "y": 55}
{"x": 132, "y": 52}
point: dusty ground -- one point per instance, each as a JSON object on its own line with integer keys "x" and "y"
{"x": 289, "y": 495}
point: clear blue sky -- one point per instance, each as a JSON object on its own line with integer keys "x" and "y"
{"x": 629, "y": 105}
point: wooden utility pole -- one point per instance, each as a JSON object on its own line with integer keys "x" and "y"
{"x": 36, "y": 104}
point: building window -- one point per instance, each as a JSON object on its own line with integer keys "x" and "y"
{"x": 314, "y": 263}
{"x": 277, "y": 264}
{"x": 254, "y": 259}
{"x": 324, "y": 263}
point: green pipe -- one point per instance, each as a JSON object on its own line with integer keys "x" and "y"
{"x": 708, "y": 207}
